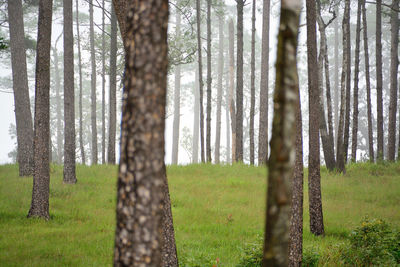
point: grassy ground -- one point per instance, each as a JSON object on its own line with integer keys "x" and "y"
{"x": 216, "y": 209}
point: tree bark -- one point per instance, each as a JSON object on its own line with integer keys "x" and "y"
{"x": 23, "y": 115}
{"x": 120, "y": 9}
{"x": 196, "y": 119}
{"x": 219, "y": 91}
{"x": 336, "y": 74}
{"x": 141, "y": 181}
{"x": 379, "y": 98}
{"x": 394, "y": 64}
{"x": 112, "y": 123}
{"x": 232, "y": 87}
{"x": 177, "y": 98}
{"x": 252, "y": 81}
{"x": 239, "y": 82}
{"x": 103, "y": 88}
{"x": 41, "y": 173}
{"x": 58, "y": 103}
{"x": 263, "y": 124}
{"x": 69, "y": 96}
{"x": 282, "y": 160}
{"x": 198, "y": 15}
{"x": 228, "y": 127}
{"x": 314, "y": 175}
{"x": 347, "y": 50}
{"x": 209, "y": 81}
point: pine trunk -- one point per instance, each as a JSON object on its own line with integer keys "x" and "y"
{"x": 379, "y": 98}
{"x": 198, "y": 15}
{"x": 336, "y": 75}
{"x": 120, "y": 9}
{"x": 177, "y": 98}
{"x": 196, "y": 118}
{"x": 209, "y": 81}
{"x": 58, "y": 103}
{"x": 232, "y": 108}
{"x": 252, "y": 81}
{"x": 347, "y": 50}
{"x": 103, "y": 88}
{"x": 239, "y": 82}
{"x": 228, "y": 127}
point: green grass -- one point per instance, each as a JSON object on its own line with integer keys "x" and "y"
{"x": 216, "y": 209}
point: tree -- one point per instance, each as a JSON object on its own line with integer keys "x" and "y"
{"x": 394, "y": 64}
{"x": 196, "y": 118}
{"x": 336, "y": 75}
{"x": 57, "y": 81}
{"x": 93, "y": 86}
{"x": 232, "y": 88}
{"x": 120, "y": 9}
{"x": 282, "y": 160}
{"x": 227, "y": 112}
{"x": 23, "y": 115}
{"x": 379, "y": 98}
{"x": 263, "y": 124}
{"x": 177, "y": 98}
{"x": 103, "y": 87}
{"x": 209, "y": 81}
{"x": 347, "y": 50}
{"x": 141, "y": 179}
{"x": 69, "y": 96}
{"x": 314, "y": 175}
{"x": 41, "y": 173}
{"x": 239, "y": 82}
{"x": 252, "y": 81}
{"x": 198, "y": 16}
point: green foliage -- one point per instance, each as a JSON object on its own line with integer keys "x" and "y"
{"x": 252, "y": 254}
{"x": 310, "y": 257}
{"x": 200, "y": 260}
{"x": 3, "y": 44}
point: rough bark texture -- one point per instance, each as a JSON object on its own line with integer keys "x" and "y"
{"x": 177, "y": 98}
{"x": 141, "y": 180}
{"x": 196, "y": 119}
{"x": 314, "y": 175}
{"x": 296, "y": 217}
{"x": 209, "y": 81}
{"x": 368, "y": 85}
{"x": 41, "y": 173}
{"x": 80, "y": 86}
{"x": 23, "y": 115}
{"x": 69, "y": 96}
{"x": 239, "y": 82}
{"x": 379, "y": 98}
{"x": 263, "y": 124}
{"x": 394, "y": 63}
{"x": 232, "y": 108}
{"x": 120, "y": 9}
{"x": 57, "y": 81}
{"x": 198, "y": 17}
{"x": 103, "y": 88}
{"x": 93, "y": 87}
{"x": 112, "y": 121}
{"x": 219, "y": 90}
{"x": 355, "y": 89}
{"x": 252, "y": 81}
{"x": 282, "y": 160}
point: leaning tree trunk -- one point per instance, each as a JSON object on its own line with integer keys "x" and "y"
{"x": 355, "y": 92}
{"x": 263, "y": 124}
{"x": 282, "y": 160}
{"x": 379, "y": 98}
{"x": 347, "y": 50}
{"x": 41, "y": 173}
{"x": 80, "y": 86}
{"x": 112, "y": 121}
{"x": 368, "y": 85}
{"x": 141, "y": 181}
{"x": 314, "y": 175}
{"x": 69, "y": 96}
{"x": 219, "y": 86}
{"x": 208, "y": 135}
{"x": 198, "y": 17}
{"x": 232, "y": 87}
{"x": 103, "y": 88}
{"x": 252, "y": 81}
{"x": 196, "y": 119}
{"x": 23, "y": 115}
{"x": 239, "y": 82}
{"x": 394, "y": 63}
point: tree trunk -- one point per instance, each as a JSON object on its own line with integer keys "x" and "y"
{"x": 336, "y": 75}
{"x": 112, "y": 123}
{"x": 347, "y": 50}
{"x": 368, "y": 85}
{"x": 219, "y": 86}
{"x": 177, "y": 98}
{"x": 69, "y": 96}
{"x": 198, "y": 15}
{"x": 239, "y": 82}
{"x": 282, "y": 159}
{"x": 232, "y": 87}
{"x": 93, "y": 86}
{"x": 263, "y": 124}
{"x": 103, "y": 89}
{"x": 196, "y": 119}
{"x": 394, "y": 63}
{"x": 314, "y": 175}
{"x": 80, "y": 87}
{"x": 209, "y": 80}
{"x": 58, "y": 104}
{"x": 41, "y": 173}
{"x": 228, "y": 127}
{"x": 355, "y": 92}
{"x": 252, "y": 81}
{"x": 120, "y": 9}
{"x": 23, "y": 115}
{"x": 141, "y": 181}
{"x": 379, "y": 98}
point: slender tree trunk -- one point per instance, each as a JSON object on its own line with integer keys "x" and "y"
{"x": 93, "y": 86}
{"x": 198, "y": 15}
{"x": 209, "y": 81}
{"x": 41, "y": 173}
{"x": 239, "y": 82}
{"x": 58, "y": 104}
{"x": 228, "y": 127}
{"x": 112, "y": 121}
{"x": 177, "y": 98}
{"x": 232, "y": 87}
{"x": 394, "y": 64}
{"x": 219, "y": 86}
{"x": 120, "y": 9}
{"x": 141, "y": 181}
{"x": 80, "y": 87}
{"x": 196, "y": 118}
{"x": 368, "y": 85}
{"x": 69, "y": 96}
{"x": 252, "y": 81}
{"x": 282, "y": 159}
{"x": 347, "y": 50}
{"x": 263, "y": 124}
{"x": 23, "y": 115}
{"x": 355, "y": 92}
{"x": 379, "y": 98}
{"x": 314, "y": 175}
{"x": 103, "y": 89}
{"x": 336, "y": 74}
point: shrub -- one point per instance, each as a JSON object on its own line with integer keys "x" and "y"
{"x": 310, "y": 257}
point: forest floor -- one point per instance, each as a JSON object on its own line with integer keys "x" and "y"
{"x": 217, "y": 210}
